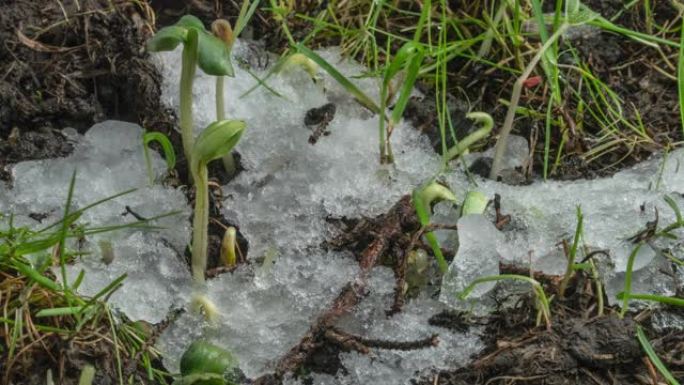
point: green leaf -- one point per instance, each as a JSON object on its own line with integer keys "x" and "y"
{"x": 210, "y": 364}
{"x": 190, "y": 21}
{"x": 214, "y": 55}
{"x": 167, "y": 39}
{"x": 58, "y": 311}
{"x": 246, "y": 12}
{"x": 216, "y": 141}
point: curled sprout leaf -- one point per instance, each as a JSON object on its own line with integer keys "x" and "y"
{"x": 213, "y": 54}
{"x": 486, "y": 122}
{"x": 221, "y": 29}
{"x": 167, "y": 148}
{"x": 433, "y": 192}
{"x": 423, "y": 198}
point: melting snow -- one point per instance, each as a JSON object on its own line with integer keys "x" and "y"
{"x": 281, "y": 203}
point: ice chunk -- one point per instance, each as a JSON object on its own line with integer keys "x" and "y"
{"x": 108, "y": 160}
{"x": 261, "y": 319}
{"x": 517, "y": 153}
{"x": 477, "y": 257}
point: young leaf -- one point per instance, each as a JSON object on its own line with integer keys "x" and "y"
{"x": 190, "y": 21}
{"x": 217, "y": 140}
{"x": 167, "y": 39}
{"x": 214, "y": 55}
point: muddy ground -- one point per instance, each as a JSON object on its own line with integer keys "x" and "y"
{"x": 75, "y": 63}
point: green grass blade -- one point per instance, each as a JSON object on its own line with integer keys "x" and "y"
{"x": 627, "y": 292}
{"x": 674, "y": 301}
{"x": 549, "y": 57}
{"x": 680, "y": 76}
{"x": 58, "y": 311}
{"x": 344, "y": 82}
{"x": 648, "y": 348}
{"x": 246, "y": 12}
{"x": 413, "y": 66}
{"x": 674, "y": 207}
{"x": 167, "y": 147}
{"x": 36, "y": 276}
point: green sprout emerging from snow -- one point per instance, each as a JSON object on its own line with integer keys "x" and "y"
{"x": 200, "y": 48}
{"x": 228, "y": 244}
{"x": 213, "y": 143}
{"x": 423, "y": 198}
{"x": 543, "y": 302}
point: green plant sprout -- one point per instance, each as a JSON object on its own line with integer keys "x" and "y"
{"x": 204, "y": 363}
{"x": 167, "y": 148}
{"x": 462, "y": 147}
{"x": 423, "y": 198}
{"x": 570, "y": 266}
{"x": 648, "y": 348}
{"x": 214, "y": 142}
{"x": 200, "y": 48}
{"x": 407, "y": 59}
{"x": 224, "y": 31}
{"x": 228, "y": 244}
{"x": 475, "y": 202}
{"x": 543, "y": 302}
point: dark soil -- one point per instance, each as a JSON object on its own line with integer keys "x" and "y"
{"x": 575, "y": 351}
